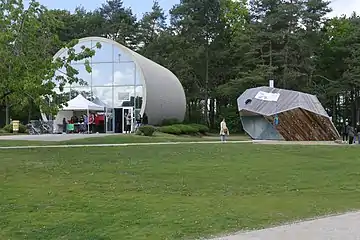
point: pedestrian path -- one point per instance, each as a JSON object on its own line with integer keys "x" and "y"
{"x": 120, "y": 144}
{"x": 341, "y": 227}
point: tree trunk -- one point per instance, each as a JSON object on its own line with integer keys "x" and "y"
{"x": 206, "y": 116}
{"x": 334, "y": 115}
{"x": 212, "y": 113}
{"x": 29, "y": 112}
{"x": 353, "y": 110}
{"x": 7, "y": 111}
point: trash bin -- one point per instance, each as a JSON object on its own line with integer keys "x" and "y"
{"x": 15, "y": 125}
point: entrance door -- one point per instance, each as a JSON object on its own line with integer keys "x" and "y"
{"x": 109, "y": 124}
{"x": 118, "y": 120}
{"x": 125, "y": 112}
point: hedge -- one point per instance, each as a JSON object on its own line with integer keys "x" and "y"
{"x": 9, "y": 128}
{"x": 146, "y": 130}
{"x": 170, "y": 130}
{"x": 170, "y": 121}
{"x": 179, "y": 129}
{"x": 203, "y": 129}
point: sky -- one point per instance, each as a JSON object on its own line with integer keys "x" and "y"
{"x": 138, "y": 6}
{"x": 141, "y": 6}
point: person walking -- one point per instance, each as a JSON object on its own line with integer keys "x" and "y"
{"x": 224, "y": 131}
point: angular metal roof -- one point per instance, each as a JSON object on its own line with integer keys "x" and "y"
{"x": 287, "y": 100}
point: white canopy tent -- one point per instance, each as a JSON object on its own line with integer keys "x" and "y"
{"x": 79, "y": 103}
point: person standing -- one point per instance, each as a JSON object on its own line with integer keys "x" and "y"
{"x": 145, "y": 119}
{"x": 138, "y": 122}
{"x": 64, "y": 126}
{"x": 224, "y": 131}
{"x": 345, "y": 132}
{"x": 86, "y": 120}
{"x": 128, "y": 123}
{"x": 351, "y": 133}
{"x": 357, "y": 133}
{"x": 91, "y": 121}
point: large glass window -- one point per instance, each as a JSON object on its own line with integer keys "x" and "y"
{"x": 83, "y": 90}
{"x": 102, "y": 74}
{"x": 105, "y": 54}
{"x": 125, "y": 74}
{"x": 105, "y": 94}
{"x": 114, "y": 80}
{"x": 84, "y": 76}
{"x": 78, "y": 49}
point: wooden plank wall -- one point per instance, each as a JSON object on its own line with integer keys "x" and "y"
{"x": 301, "y": 125}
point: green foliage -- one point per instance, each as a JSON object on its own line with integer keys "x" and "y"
{"x": 217, "y": 48}
{"x": 9, "y": 128}
{"x": 172, "y": 129}
{"x": 203, "y": 129}
{"x": 184, "y": 129}
{"x": 118, "y": 23}
{"x": 171, "y": 121}
{"x": 28, "y": 41}
{"x": 147, "y": 130}
{"x": 232, "y": 119}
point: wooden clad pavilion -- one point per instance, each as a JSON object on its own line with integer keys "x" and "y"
{"x": 278, "y": 114}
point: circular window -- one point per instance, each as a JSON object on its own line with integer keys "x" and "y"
{"x": 248, "y": 101}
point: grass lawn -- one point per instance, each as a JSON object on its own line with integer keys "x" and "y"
{"x": 116, "y": 139}
{"x": 170, "y": 192}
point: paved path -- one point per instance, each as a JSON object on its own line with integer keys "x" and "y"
{"x": 342, "y": 227}
{"x": 275, "y": 142}
{"x": 54, "y": 137}
{"x": 120, "y": 144}
{"x": 157, "y": 143}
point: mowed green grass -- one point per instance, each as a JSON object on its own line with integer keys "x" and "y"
{"x": 118, "y": 139}
{"x": 170, "y": 192}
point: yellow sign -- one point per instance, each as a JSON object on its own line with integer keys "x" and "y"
{"x": 16, "y": 124}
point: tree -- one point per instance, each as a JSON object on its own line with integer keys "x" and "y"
{"x": 119, "y": 23}
{"x": 217, "y": 48}
{"x": 338, "y": 68}
{"x": 27, "y": 67}
{"x": 199, "y": 24}
{"x": 151, "y": 25}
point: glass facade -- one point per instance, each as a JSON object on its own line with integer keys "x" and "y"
{"x": 114, "y": 81}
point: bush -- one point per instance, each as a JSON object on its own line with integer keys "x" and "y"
{"x": 9, "y": 128}
{"x": 203, "y": 129}
{"x": 147, "y": 130}
{"x": 187, "y": 129}
{"x": 170, "y": 130}
{"x": 178, "y": 129}
{"x": 170, "y": 121}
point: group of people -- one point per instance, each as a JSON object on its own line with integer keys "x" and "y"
{"x": 350, "y": 133}
{"x": 78, "y": 124}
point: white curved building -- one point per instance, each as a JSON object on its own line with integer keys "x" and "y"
{"x": 124, "y": 81}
